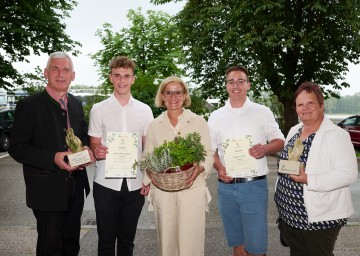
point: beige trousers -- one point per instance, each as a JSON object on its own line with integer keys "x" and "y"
{"x": 180, "y": 220}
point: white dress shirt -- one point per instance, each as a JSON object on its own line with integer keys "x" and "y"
{"x": 251, "y": 119}
{"x": 110, "y": 116}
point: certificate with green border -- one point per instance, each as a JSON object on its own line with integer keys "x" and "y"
{"x": 123, "y": 154}
{"x": 238, "y": 161}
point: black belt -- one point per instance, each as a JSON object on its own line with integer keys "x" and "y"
{"x": 244, "y": 180}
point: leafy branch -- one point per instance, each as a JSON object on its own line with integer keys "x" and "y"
{"x": 177, "y": 153}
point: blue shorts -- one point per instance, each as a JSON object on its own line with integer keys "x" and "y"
{"x": 243, "y": 209}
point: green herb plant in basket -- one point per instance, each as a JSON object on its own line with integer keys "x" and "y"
{"x": 170, "y": 164}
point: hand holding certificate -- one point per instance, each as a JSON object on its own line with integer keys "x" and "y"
{"x": 237, "y": 159}
{"x": 292, "y": 165}
{"x": 123, "y": 153}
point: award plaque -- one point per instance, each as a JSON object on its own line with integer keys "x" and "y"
{"x": 123, "y": 154}
{"x": 292, "y": 165}
{"x": 79, "y": 156}
{"x": 289, "y": 167}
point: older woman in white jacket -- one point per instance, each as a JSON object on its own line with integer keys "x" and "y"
{"x": 315, "y": 204}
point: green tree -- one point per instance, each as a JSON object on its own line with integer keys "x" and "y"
{"x": 34, "y": 82}
{"x": 270, "y": 100}
{"x": 30, "y": 28}
{"x": 330, "y": 104}
{"x": 343, "y": 105}
{"x": 153, "y": 42}
{"x": 281, "y": 42}
{"x": 199, "y": 104}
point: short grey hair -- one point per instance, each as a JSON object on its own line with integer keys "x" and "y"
{"x": 59, "y": 55}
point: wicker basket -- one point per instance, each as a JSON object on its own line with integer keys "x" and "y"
{"x": 174, "y": 181}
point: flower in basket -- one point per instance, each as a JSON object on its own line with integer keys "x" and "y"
{"x": 172, "y": 163}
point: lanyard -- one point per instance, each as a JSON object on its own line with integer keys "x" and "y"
{"x": 64, "y": 106}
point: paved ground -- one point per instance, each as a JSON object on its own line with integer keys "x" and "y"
{"x": 18, "y": 232}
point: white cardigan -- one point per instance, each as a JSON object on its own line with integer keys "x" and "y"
{"x": 331, "y": 167}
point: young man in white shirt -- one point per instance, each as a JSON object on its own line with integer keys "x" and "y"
{"x": 242, "y": 201}
{"x": 118, "y": 201}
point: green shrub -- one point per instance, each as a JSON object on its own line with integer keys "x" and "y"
{"x": 175, "y": 154}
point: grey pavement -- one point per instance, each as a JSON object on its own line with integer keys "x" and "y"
{"x": 18, "y": 230}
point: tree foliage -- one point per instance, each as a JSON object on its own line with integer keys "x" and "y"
{"x": 30, "y": 28}
{"x": 199, "y": 104}
{"x": 34, "y": 82}
{"x": 343, "y": 105}
{"x": 281, "y": 42}
{"x": 152, "y": 41}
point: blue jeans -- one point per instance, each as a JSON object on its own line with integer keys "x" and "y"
{"x": 243, "y": 210}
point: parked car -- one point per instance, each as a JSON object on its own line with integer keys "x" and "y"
{"x": 352, "y": 125}
{"x": 6, "y": 123}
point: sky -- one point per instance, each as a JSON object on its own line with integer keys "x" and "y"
{"x": 86, "y": 18}
{"x": 89, "y": 16}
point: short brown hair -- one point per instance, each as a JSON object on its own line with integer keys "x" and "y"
{"x": 237, "y": 68}
{"x": 310, "y": 87}
{"x": 122, "y": 62}
{"x": 158, "y": 99}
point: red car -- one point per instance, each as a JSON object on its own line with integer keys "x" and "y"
{"x": 352, "y": 125}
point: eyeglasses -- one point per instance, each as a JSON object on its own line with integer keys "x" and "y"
{"x": 240, "y": 82}
{"x": 177, "y": 94}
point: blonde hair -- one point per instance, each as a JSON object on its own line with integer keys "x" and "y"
{"x": 158, "y": 99}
